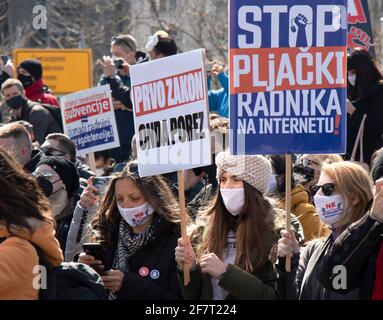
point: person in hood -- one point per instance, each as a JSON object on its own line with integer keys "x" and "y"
{"x": 342, "y": 196}
{"x": 230, "y": 258}
{"x": 59, "y": 180}
{"x": 301, "y": 208}
{"x": 25, "y": 220}
{"x": 365, "y": 92}
{"x": 137, "y": 225}
{"x": 30, "y": 73}
{"x": 24, "y": 109}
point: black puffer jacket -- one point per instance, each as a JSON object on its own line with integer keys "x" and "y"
{"x": 152, "y": 271}
{"x": 357, "y": 250}
{"x": 371, "y": 105}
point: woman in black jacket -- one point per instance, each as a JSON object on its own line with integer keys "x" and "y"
{"x": 342, "y": 197}
{"x": 137, "y": 225}
{"x": 365, "y": 91}
{"x": 360, "y": 251}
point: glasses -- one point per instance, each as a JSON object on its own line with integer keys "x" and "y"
{"x": 45, "y": 174}
{"x": 306, "y": 162}
{"x": 49, "y": 151}
{"x": 117, "y": 40}
{"x": 327, "y": 189}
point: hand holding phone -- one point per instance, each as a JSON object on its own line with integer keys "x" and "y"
{"x": 89, "y": 196}
{"x": 119, "y": 63}
{"x": 96, "y": 251}
{"x": 209, "y": 66}
{"x": 101, "y": 183}
{"x": 4, "y": 59}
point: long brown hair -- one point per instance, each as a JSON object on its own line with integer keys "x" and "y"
{"x": 254, "y": 229}
{"x": 20, "y": 197}
{"x": 155, "y": 191}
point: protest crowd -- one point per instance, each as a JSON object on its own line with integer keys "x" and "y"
{"x": 123, "y": 231}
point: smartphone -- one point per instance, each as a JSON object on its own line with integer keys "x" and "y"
{"x": 119, "y": 63}
{"x": 101, "y": 183}
{"x": 95, "y": 250}
{"x": 5, "y": 59}
{"x": 209, "y": 66}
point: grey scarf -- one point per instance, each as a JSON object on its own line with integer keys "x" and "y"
{"x": 128, "y": 244}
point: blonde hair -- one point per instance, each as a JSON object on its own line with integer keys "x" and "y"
{"x": 10, "y": 83}
{"x": 325, "y": 158}
{"x": 352, "y": 180}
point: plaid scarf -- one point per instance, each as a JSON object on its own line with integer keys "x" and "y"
{"x": 128, "y": 244}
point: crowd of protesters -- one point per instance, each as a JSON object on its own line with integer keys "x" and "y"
{"x": 237, "y": 240}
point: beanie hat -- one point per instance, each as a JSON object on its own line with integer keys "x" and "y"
{"x": 33, "y": 66}
{"x": 66, "y": 170}
{"x": 255, "y": 170}
{"x": 377, "y": 166}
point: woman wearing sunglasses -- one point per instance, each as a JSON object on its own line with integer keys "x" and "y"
{"x": 342, "y": 196}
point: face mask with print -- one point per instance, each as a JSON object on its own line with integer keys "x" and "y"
{"x": 234, "y": 199}
{"x": 352, "y": 79}
{"x": 330, "y": 209}
{"x": 136, "y": 216}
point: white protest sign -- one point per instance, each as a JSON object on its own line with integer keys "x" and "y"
{"x": 89, "y": 121}
{"x": 170, "y": 105}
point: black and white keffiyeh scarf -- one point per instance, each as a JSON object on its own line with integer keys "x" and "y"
{"x": 128, "y": 244}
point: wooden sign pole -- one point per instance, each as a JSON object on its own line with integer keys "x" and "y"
{"x": 288, "y": 204}
{"x": 92, "y": 162}
{"x": 183, "y": 217}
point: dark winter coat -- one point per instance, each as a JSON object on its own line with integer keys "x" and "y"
{"x": 371, "y": 105}
{"x": 357, "y": 250}
{"x": 152, "y": 271}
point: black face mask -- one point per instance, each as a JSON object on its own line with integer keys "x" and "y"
{"x": 16, "y": 103}
{"x": 26, "y": 80}
{"x": 46, "y": 186}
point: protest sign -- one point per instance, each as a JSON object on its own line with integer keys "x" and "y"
{"x": 171, "y": 119}
{"x": 359, "y": 26}
{"x": 169, "y": 98}
{"x": 89, "y": 121}
{"x": 288, "y": 76}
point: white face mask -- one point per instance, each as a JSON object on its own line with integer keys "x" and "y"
{"x": 352, "y": 79}
{"x": 138, "y": 215}
{"x": 234, "y": 199}
{"x": 58, "y": 201}
{"x": 330, "y": 209}
{"x": 273, "y": 184}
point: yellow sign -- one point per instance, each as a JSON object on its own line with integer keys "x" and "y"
{"x": 64, "y": 70}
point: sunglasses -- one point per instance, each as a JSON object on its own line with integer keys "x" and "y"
{"x": 327, "y": 189}
{"x": 49, "y": 151}
{"x": 117, "y": 40}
